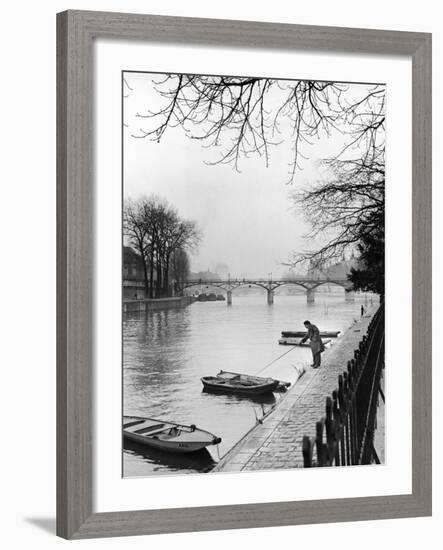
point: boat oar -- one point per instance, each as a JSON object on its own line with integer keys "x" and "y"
{"x": 276, "y": 359}
{"x": 300, "y": 371}
{"x": 257, "y": 420}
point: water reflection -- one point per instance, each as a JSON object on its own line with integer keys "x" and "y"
{"x": 235, "y": 399}
{"x": 137, "y": 455}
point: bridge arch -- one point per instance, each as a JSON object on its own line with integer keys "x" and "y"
{"x": 250, "y": 285}
{"x": 342, "y": 284}
{"x": 220, "y": 285}
{"x": 345, "y": 285}
{"x": 290, "y": 283}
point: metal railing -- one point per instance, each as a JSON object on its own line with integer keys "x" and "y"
{"x": 345, "y": 436}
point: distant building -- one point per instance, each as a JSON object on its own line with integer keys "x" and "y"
{"x": 204, "y": 276}
{"x": 132, "y": 265}
{"x": 133, "y": 275}
{"x": 339, "y": 270}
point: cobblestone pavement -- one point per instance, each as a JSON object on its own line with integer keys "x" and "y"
{"x": 277, "y": 443}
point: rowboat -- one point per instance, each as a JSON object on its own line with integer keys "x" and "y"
{"x": 301, "y": 333}
{"x": 227, "y": 375}
{"x": 239, "y": 384}
{"x": 167, "y": 436}
{"x": 296, "y": 342}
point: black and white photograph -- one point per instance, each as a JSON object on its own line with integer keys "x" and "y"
{"x": 219, "y": 286}
{"x": 253, "y": 267}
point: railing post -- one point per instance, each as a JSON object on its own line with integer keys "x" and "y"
{"x": 352, "y": 412}
{"x": 337, "y": 427}
{"x": 331, "y": 439}
{"x": 341, "y": 403}
{"x": 319, "y": 443}
{"x": 347, "y": 401}
{"x": 307, "y": 451}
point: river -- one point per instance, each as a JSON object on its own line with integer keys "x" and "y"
{"x": 167, "y": 352}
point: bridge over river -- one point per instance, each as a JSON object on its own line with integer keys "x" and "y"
{"x": 270, "y": 285}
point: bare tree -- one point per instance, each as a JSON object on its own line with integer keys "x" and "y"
{"x": 134, "y": 227}
{"x": 246, "y": 116}
{"x": 157, "y": 232}
{"x": 343, "y": 207}
{"x": 180, "y": 265}
{"x": 177, "y": 235}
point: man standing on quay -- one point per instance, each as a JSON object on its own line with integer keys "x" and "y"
{"x": 315, "y": 341}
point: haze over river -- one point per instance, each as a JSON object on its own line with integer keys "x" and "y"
{"x": 167, "y": 352}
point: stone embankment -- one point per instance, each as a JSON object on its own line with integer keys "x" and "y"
{"x": 157, "y": 304}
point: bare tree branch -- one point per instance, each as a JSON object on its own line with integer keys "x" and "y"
{"x": 243, "y": 116}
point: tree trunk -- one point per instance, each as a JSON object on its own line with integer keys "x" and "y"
{"x": 166, "y": 281}
{"x": 142, "y": 253}
{"x": 145, "y": 270}
{"x": 158, "y": 292}
{"x": 151, "y": 275}
{"x": 166, "y": 277}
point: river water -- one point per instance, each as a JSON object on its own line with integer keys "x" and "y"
{"x": 167, "y": 352}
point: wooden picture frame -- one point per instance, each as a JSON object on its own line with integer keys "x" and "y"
{"x": 76, "y": 31}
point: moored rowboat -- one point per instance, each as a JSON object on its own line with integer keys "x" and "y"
{"x": 239, "y": 384}
{"x": 167, "y": 436}
{"x": 301, "y": 333}
{"x": 281, "y": 386}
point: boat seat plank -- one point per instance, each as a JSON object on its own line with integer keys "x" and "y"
{"x": 150, "y": 430}
{"x": 133, "y": 423}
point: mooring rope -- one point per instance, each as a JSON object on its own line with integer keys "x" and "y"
{"x": 276, "y": 359}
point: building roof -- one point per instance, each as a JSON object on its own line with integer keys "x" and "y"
{"x": 130, "y": 255}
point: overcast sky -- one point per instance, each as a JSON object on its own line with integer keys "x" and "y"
{"x": 246, "y": 218}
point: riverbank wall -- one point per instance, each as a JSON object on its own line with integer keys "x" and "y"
{"x": 277, "y": 442}
{"x": 157, "y": 304}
